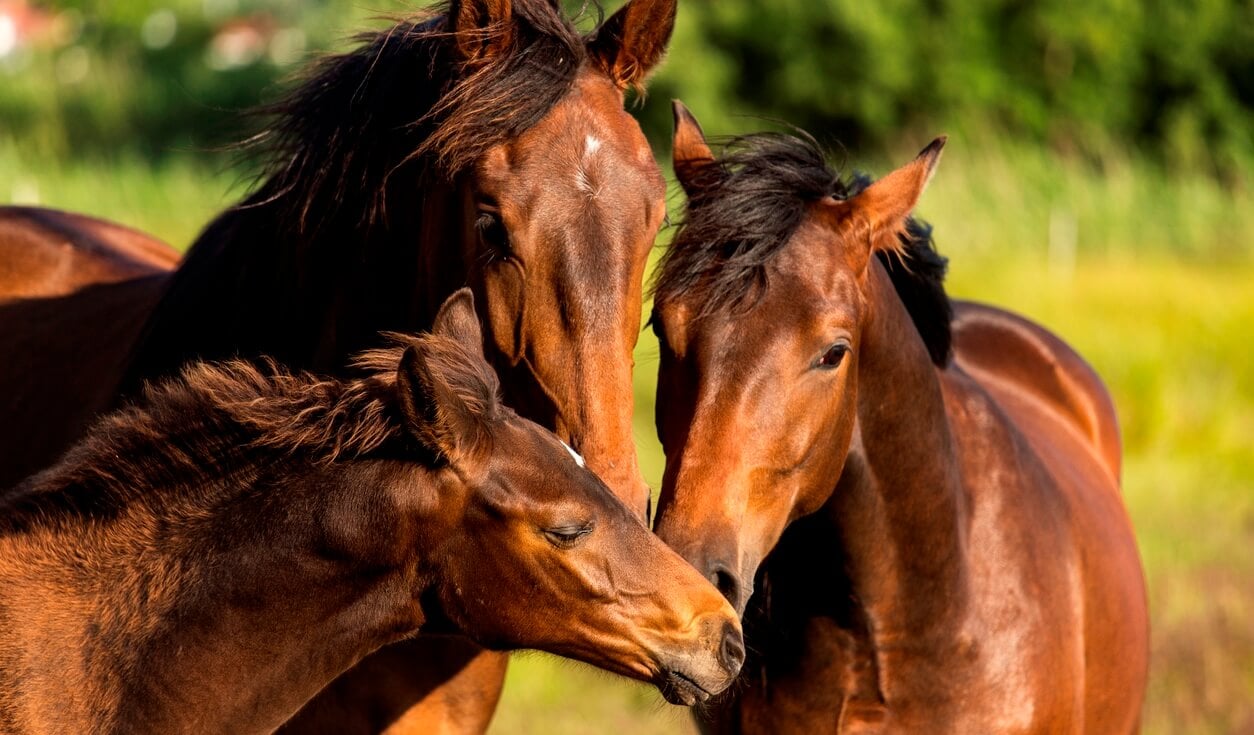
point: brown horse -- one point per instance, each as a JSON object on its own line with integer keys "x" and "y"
{"x": 208, "y": 559}
{"x": 918, "y": 543}
{"x": 485, "y": 146}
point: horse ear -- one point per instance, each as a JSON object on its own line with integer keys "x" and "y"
{"x": 458, "y": 321}
{"x": 878, "y": 213}
{"x": 632, "y": 42}
{"x": 448, "y": 394}
{"x": 481, "y": 28}
{"x": 694, "y": 162}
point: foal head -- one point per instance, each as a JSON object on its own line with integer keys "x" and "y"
{"x": 762, "y": 306}
{"x": 534, "y": 551}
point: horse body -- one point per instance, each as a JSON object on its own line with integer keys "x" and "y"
{"x": 1004, "y": 348}
{"x": 1021, "y": 551}
{"x": 920, "y": 544}
{"x": 206, "y": 560}
{"x": 75, "y": 292}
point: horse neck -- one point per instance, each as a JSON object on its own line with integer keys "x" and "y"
{"x": 256, "y": 284}
{"x": 899, "y": 504}
{"x": 265, "y": 577}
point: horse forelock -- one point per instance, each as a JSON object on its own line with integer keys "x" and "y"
{"x": 735, "y": 224}
{"x": 741, "y": 218}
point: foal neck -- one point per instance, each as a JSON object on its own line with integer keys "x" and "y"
{"x": 150, "y": 619}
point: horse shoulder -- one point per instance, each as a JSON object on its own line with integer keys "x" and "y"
{"x": 46, "y": 253}
{"x": 1008, "y": 354}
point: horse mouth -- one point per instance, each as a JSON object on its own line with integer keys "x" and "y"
{"x": 680, "y": 689}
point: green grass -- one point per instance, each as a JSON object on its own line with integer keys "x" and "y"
{"x": 173, "y": 200}
{"x": 1150, "y": 276}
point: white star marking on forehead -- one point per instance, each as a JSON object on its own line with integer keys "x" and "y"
{"x": 574, "y": 455}
{"x": 583, "y": 182}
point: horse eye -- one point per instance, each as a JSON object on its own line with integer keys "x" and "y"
{"x": 833, "y": 357}
{"x": 493, "y": 232}
{"x": 567, "y": 537}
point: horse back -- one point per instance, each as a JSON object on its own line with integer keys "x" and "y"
{"x": 46, "y": 252}
{"x": 1003, "y": 350}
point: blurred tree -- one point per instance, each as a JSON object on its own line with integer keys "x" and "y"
{"x": 1174, "y": 78}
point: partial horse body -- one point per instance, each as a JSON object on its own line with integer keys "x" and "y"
{"x": 486, "y": 145}
{"x": 920, "y": 520}
{"x": 207, "y": 559}
{"x": 75, "y": 292}
{"x": 45, "y": 253}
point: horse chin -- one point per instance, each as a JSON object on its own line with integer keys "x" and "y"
{"x": 679, "y": 689}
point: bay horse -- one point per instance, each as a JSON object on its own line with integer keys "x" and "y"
{"x": 920, "y": 518}
{"x": 208, "y": 558}
{"x": 485, "y": 145}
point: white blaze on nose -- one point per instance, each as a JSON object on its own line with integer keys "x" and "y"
{"x": 574, "y": 455}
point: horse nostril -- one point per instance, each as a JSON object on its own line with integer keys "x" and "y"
{"x": 732, "y": 653}
{"x": 727, "y": 583}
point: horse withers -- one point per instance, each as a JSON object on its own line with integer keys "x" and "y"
{"x": 919, "y": 518}
{"x": 208, "y": 558}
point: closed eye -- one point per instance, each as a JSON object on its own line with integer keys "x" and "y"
{"x": 567, "y": 537}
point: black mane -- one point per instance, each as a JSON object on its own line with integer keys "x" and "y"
{"x": 738, "y": 222}
{"x": 404, "y": 96}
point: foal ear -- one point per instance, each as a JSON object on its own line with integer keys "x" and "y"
{"x": 458, "y": 321}
{"x": 634, "y": 40}
{"x": 694, "y": 162}
{"x": 448, "y": 393}
{"x": 878, "y": 213}
{"x": 481, "y": 28}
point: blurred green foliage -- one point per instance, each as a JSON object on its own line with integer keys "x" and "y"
{"x": 1170, "y": 78}
{"x": 157, "y": 77}
{"x": 1174, "y": 78}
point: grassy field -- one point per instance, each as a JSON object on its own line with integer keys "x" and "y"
{"x": 1150, "y": 276}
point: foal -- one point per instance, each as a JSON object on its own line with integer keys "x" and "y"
{"x": 207, "y": 560}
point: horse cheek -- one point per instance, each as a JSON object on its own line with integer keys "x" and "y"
{"x": 505, "y": 306}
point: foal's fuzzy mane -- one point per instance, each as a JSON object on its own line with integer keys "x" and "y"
{"x": 218, "y": 420}
{"x": 404, "y": 95}
{"x": 738, "y": 220}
